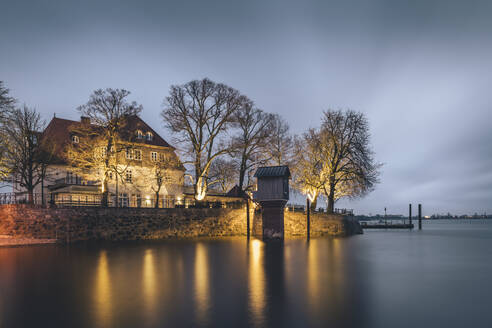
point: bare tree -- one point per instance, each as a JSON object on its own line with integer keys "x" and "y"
{"x": 25, "y": 157}
{"x": 279, "y": 146}
{"x": 224, "y": 172}
{"x": 162, "y": 174}
{"x": 6, "y": 102}
{"x": 349, "y": 163}
{"x": 101, "y": 139}
{"x": 6, "y": 105}
{"x": 200, "y": 112}
{"x": 308, "y": 169}
{"x": 248, "y": 145}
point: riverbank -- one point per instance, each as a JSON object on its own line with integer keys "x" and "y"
{"x": 9, "y": 241}
{"x": 68, "y": 225}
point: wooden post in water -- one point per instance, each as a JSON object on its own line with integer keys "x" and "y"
{"x": 308, "y": 209}
{"x": 247, "y": 216}
{"x": 410, "y": 213}
{"x": 420, "y": 216}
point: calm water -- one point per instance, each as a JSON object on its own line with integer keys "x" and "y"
{"x": 438, "y": 277}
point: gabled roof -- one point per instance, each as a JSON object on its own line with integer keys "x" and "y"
{"x": 236, "y": 192}
{"x": 272, "y": 171}
{"x": 60, "y": 131}
{"x": 135, "y": 123}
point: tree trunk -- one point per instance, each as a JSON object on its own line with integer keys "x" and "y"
{"x": 313, "y": 204}
{"x": 331, "y": 199}
{"x": 242, "y": 172}
{"x": 156, "y": 205}
{"x": 42, "y": 191}
{"x": 104, "y": 200}
{"x": 30, "y": 195}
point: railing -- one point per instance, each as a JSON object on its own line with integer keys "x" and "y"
{"x": 113, "y": 201}
{"x": 16, "y": 198}
{"x": 302, "y": 208}
{"x": 76, "y": 181}
{"x": 344, "y": 211}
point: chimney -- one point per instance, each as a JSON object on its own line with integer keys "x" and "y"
{"x": 85, "y": 120}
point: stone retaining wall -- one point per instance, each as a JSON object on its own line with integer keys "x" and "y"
{"x": 77, "y": 224}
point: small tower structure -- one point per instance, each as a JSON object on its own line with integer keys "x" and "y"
{"x": 272, "y": 194}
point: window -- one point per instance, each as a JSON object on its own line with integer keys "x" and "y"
{"x": 149, "y": 136}
{"x": 162, "y": 157}
{"x": 153, "y": 156}
{"x": 129, "y": 153}
{"x": 128, "y": 176}
{"x": 137, "y": 154}
{"x": 123, "y": 200}
{"x": 75, "y": 139}
{"x": 139, "y": 134}
{"x": 110, "y": 175}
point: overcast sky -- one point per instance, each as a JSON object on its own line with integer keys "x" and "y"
{"x": 420, "y": 70}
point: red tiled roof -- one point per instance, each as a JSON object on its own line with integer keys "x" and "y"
{"x": 59, "y": 130}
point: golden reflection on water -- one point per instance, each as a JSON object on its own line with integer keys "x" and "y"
{"x": 102, "y": 292}
{"x": 325, "y": 276}
{"x": 256, "y": 282}
{"x": 313, "y": 279}
{"x": 149, "y": 283}
{"x": 202, "y": 296}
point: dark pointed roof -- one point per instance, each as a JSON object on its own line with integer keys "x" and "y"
{"x": 272, "y": 171}
{"x": 60, "y": 131}
{"x": 236, "y": 192}
{"x": 135, "y": 123}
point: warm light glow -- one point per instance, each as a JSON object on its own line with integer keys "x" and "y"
{"x": 102, "y": 292}
{"x": 200, "y": 189}
{"x": 256, "y": 282}
{"x": 313, "y": 276}
{"x": 149, "y": 283}
{"x": 202, "y": 296}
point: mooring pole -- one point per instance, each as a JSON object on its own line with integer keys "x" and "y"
{"x": 308, "y": 209}
{"x": 410, "y": 213}
{"x": 247, "y": 217}
{"x": 420, "y": 216}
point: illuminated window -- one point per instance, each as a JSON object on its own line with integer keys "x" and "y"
{"x": 153, "y": 156}
{"x": 128, "y": 176}
{"x": 129, "y": 153}
{"x": 137, "y": 154}
{"x": 139, "y": 134}
{"x": 75, "y": 139}
{"x": 149, "y": 136}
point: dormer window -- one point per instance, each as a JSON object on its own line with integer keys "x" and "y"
{"x": 139, "y": 134}
{"x": 149, "y": 136}
{"x": 75, "y": 139}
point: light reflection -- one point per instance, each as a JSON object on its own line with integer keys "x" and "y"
{"x": 149, "y": 283}
{"x": 102, "y": 292}
{"x": 313, "y": 278}
{"x": 256, "y": 282}
{"x": 202, "y": 297}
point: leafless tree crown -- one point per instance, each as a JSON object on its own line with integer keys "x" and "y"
{"x": 200, "y": 112}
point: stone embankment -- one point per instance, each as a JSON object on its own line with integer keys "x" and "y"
{"x": 79, "y": 224}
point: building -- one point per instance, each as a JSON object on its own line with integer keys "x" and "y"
{"x": 138, "y": 185}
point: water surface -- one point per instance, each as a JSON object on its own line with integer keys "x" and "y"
{"x": 440, "y": 276}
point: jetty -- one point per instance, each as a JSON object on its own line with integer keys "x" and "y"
{"x": 386, "y": 225}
